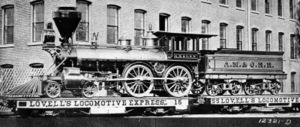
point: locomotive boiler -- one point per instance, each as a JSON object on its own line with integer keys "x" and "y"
{"x": 167, "y": 64}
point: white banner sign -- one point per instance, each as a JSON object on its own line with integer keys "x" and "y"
{"x": 254, "y": 100}
{"x": 102, "y": 103}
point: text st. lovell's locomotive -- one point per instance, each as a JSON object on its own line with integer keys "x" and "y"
{"x": 171, "y": 65}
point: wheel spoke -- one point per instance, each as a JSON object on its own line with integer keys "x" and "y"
{"x": 181, "y": 71}
{"x": 142, "y": 73}
{"x": 136, "y": 74}
{"x": 172, "y": 86}
{"x": 130, "y": 83}
{"x": 131, "y": 75}
{"x": 135, "y": 88}
{"x": 170, "y": 83}
{"x": 175, "y": 88}
{"x": 142, "y": 86}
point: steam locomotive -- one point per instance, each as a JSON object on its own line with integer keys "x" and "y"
{"x": 167, "y": 64}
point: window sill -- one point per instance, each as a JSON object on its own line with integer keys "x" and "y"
{"x": 240, "y": 9}
{"x": 224, "y": 5}
{"x": 254, "y": 12}
{"x": 280, "y": 17}
{"x": 269, "y": 15}
{"x": 82, "y": 43}
{"x": 294, "y": 60}
{"x": 34, "y": 43}
{"x": 293, "y": 20}
{"x": 7, "y": 46}
{"x": 206, "y": 1}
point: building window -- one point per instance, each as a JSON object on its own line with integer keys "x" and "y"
{"x": 82, "y": 31}
{"x": 1, "y": 26}
{"x": 37, "y": 21}
{"x": 163, "y": 21}
{"x": 239, "y": 3}
{"x": 112, "y": 24}
{"x": 205, "y": 29}
{"x": 292, "y": 9}
{"x": 268, "y": 40}
{"x": 254, "y": 34}
{"x": 280, "y": 7}
{"x": 267, "y": 6}
{"x": 293, "y": 86}
{"x": 254, "y": 5}
{"x": 8, "y": 25}
{"x": 139, "y": 25}
{"x": 223, "y": 27}
{"x": 280, "y": 41}
{"x": 223, "y": 1}
{"x": 185, "y": 24}
{"x": 293, "y": 47}
{"x": 239, "y": 37}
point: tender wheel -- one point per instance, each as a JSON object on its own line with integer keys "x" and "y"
{"x": 139, "y": 81}
{"x": 89, "y": 89}
{"x": 252, "y": 89}
{"x": 198, "y": 87}
{"x": 178, "y": 81}
{"x": 275, "y": 87}
{"x": 236, "y": 88}
{"x": 52, "y": 89}
{"x": 214, "y": 89}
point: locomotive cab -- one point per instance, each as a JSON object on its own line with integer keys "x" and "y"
{"x": 181, "y": 46}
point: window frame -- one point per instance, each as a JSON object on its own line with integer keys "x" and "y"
{"x": 280, "y": 11}
{"x": 142, "y": 29}
{"x": 225, "y": 2}
{"x": 254, "y": 38}
{"x": 293, "y": 83}
{"x": 292, "y": 9}
{"x": 280, "y": 41}
{"x": 166, "y": 21}
{"x": 236, "y": 3}
{"x": 187, "y": 26}
{"x": 34, "y": 22}
{"x": 293, "y": 46}
{"x": 268, "y": 40}
{"x": 256, "y": 5}
{"x": 86, "y": 22}
{"x": 268, "y": 9}
{"x": 223, "y": 35}
{"x": 4, "y": 25}
{"x": 239, "y": 37}
{"x": 116, "y": 26}
{"x": 205, "y": 41}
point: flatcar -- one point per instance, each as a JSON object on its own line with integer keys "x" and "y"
{"x": 166, "y": 64}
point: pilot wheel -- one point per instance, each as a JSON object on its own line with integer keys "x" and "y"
{"x": 138, "y": 80}
{"x": 52, "y": 89}
{"x": 89, "y": 89}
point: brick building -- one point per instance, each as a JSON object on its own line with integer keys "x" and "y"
{"x": 258, "y": 25}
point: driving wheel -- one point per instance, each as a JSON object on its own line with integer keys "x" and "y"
{"x": 138, "y": 80}
{"x": 177, "y": 81}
